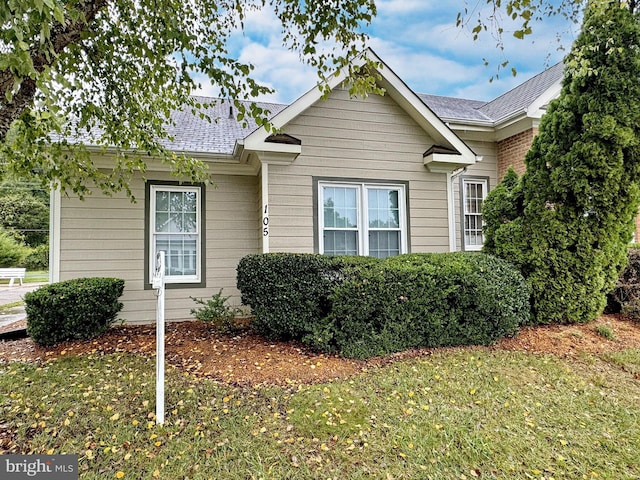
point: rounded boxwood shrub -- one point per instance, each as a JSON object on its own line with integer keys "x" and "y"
{"x": 362, "y": 307}
{"x": 287, "y": 292}
{"x": 82, "y": 308}
{"x": 423, "y": 300}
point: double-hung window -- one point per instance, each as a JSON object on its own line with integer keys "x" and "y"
{"x": 362, "y": 219}
{"x": 474, "y": 191}
{"x": 175, "y": 227}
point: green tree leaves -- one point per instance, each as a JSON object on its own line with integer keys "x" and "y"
{"x": 109, "y": 73}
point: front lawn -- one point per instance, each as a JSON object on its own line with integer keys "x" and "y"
{"x": 456, "y": 414}
{"x": 32, "y": 276}
{"x": 37, "y": 276}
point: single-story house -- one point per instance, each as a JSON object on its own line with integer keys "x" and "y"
{"x": 380, "y": 176}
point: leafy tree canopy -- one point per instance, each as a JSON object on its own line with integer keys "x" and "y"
{"x": 109, "y": 72}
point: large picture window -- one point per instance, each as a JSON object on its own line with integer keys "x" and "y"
{"x": 175, "y": 227}
{"x": 362, "y": 219}
{"x": 474, "y": 191}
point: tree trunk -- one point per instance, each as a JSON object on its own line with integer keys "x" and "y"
{"x": 61, "y": 37}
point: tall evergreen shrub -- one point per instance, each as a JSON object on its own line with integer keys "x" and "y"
{"x": 571, "y": 214}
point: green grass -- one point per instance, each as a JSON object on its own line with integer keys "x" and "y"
{"x": 453, "y": 415}
{"x": 7, "y": 307}
{"x": 606, "y": 332}
{"x": 35, "y": 276}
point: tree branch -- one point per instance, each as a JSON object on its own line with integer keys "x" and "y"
{"x": 62, "y": 35}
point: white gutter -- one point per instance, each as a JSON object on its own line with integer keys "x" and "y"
{"x": 228, "y": 157}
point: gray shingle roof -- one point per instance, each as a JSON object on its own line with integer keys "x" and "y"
{"x": 515, "y": 100}
{"x": 191, "y": 133}
{"x": 519, "y": 98}
{"x": 194, "y": 134}
{"x": 450, "y": 108}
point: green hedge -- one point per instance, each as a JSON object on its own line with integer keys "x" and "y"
{"x": 362, "y": 307}
{"x": 82, "y": 308}
{"x": 288, "y": 293}
{"x": 426, "y": 300}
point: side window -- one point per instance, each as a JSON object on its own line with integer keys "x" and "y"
{"x": 175, "y": 227}
{"x": 384, "y": 221}
{"x": 341, "y": 224}
{"x": 474, "y": 191}
{"x": 362, "y": 219}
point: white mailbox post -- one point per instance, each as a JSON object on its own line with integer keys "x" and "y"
{"x": 158, "y": 284}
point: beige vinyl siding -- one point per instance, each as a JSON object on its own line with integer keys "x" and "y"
{"x": 355, "y": 138}
{"x": 487, "y": 168}
{"x": 103, "y": 236}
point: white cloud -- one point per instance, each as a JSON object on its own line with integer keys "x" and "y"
{"x": 395, "y": 7}
{"x": 419, "y": 41}
{"x": 279, "y": 68}
{"x": 423, "y": 71}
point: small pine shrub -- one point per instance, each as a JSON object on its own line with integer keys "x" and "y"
{"x": 606, "y": 332}
{"x": 76, "y": 309}
{"x": 216, "y": 312}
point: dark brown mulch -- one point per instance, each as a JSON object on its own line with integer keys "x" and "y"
{"x": 247, "y": 359}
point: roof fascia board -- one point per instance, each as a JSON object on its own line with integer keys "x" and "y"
{"x": 216, "y": 164}
{"x": 286, "y": 148}
{"x": 537, "y": 107}
{"x": 457, "y": 125}
{"x": 513, "y": 128}
{"x": 204, "y": 156}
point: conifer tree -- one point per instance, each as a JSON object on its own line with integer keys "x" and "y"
{"x": 570, "y": 217}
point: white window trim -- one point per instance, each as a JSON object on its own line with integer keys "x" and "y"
{"x": 152, "y": 233}
{"x": 363, "y": 213}
{"x": 485, "y": 187}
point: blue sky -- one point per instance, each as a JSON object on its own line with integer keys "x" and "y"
{"x": 419, "y": 41}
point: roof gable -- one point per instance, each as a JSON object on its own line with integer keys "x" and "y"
{"x": 409, "y": 101}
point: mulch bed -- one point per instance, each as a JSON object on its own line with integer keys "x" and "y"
{"x": 249, "y": 360}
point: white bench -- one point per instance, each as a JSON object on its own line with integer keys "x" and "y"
{"x": 12, "y": 274}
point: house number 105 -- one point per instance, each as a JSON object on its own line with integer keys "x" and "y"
{"x": 265, "y": 221}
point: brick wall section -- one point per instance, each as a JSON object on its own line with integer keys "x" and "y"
{"x": 512, "y": 150}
